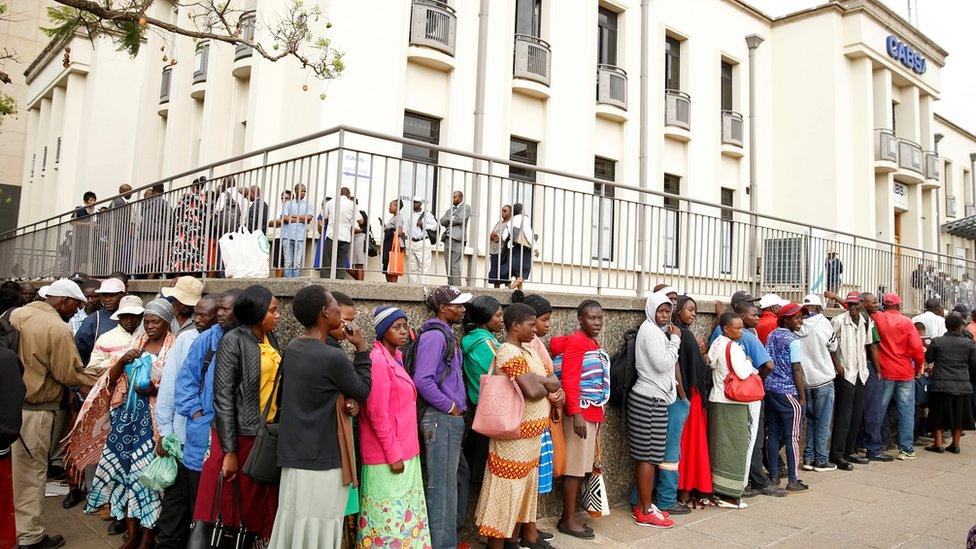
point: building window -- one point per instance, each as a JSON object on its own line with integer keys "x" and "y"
{"x": 44, "y": 161}
{"x": 672, "y": 220}
{"x": 526, "y": 152}
{"x": 418, "y": 172}
{"x": 672, "y": 63}
{"x": 57, "y": 152}
{"x": 528, "y": 17}
{"x": 726, "y": 86}
{"x": 606, "y": 46}
{"x": 728, "y": 199}
{"x": 603, "y": 209}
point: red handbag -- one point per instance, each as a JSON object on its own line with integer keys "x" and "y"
{"x": 750, "y": 389}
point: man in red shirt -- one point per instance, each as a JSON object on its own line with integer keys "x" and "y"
{"x": 900, "y": 360}
{"x": 770, "y": 305}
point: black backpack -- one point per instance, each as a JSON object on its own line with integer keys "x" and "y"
{"x": 9, "y": 336}
{"x": 410, "y": 360}
{"x": 623, "y": 369}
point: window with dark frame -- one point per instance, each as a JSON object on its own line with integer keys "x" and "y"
{"x": 672, "y": 63}
{"x": 728, "y": 199}
{"x": 672, "y": 220}
{"x": 420, "y": 172}
{"x": 603, "y": 228}
{"x": 525, "y": 151}
{"x": 606, "y": 47}
{"x": 726, "y": 86}
{"x": 528, "y": 17}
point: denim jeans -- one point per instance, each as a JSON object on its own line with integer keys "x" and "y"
{"x": 904, "y": 395}
{"x": 667, "y": 476}
{"x": 442, "y": 434}
{"x": 874, "y": 412}
{"x": 294, "y": 252}
{"x": 820, "y": 413}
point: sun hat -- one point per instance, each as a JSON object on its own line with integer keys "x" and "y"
{"x": 187, "y": 290}
{"x": 129, "y": 305}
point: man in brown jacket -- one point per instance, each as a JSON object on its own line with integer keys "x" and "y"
{"x": 51, "y": 361}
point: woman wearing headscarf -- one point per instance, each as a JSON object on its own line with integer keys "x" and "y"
{"x": 316, "y": 451}
{"x": 245, "y": 367}
{"x": 130, "y": 393}
{"x": 694, "y": 467}
{"x": 482, "y": 320}
{"x": 393, "y": 507}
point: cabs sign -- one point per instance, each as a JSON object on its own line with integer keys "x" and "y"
{"x": 905, "y": 54}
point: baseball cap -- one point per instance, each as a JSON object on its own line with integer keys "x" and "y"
{"x": 111, "y": 286}
{"x": 42, "y": 291}
{"x": 187, "y": 290}
{"x": 129, "y": 305}
{"x": 813, "y": 299}
{"x": 853, "y": 297}
{"x": 447, "y": 295}
{"x": 771, "y": 300}
{"x": 741, "y": 296}
{"x": 790, "y": 309}
{"x": 65, "y": 288}
{"x": 418, "y": 198}
{"x": 891, "y": 298}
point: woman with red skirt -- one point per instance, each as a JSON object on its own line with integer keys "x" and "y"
{"x": 245, "y": 367}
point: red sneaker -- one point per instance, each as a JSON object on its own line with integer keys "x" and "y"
{"x": 633, "y": 512}
{"x": 653, "y": 518}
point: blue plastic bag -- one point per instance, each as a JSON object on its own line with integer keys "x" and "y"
{"x": 161, "y": 471}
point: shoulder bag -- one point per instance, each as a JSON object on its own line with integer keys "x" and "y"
{"x": 749, "y": 389}
{"x": 500, "y": 406}
{"x": 215, "y": 533}
{"x": 262, "y": 463}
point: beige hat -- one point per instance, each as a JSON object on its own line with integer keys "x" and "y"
{"x": 187, "y": 290}
{"x": 129, "y": 305}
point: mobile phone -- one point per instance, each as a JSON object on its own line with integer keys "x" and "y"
{"x": 347, "y": 328}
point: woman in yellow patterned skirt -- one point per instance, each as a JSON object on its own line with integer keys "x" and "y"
{"x": 509, "y": 495}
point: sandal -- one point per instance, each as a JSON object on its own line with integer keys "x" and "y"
{"x": 585, "y": 533}
{"x": 539, "y": 544}
{"x": 707, "y": 502}
{"x": 936, "y": 449}
{"x": 729, "y": 505}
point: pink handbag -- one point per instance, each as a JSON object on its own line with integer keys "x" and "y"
{"x": 500, "y": 407}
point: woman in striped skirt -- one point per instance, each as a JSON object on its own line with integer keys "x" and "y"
{"x": 658, "y": 342}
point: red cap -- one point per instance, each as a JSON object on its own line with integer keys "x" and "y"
{"x": 853, "y": 297}
{"x": 891, "y": 298}
{"x": 790, "y": 309}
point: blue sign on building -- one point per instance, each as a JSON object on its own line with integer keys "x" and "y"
{"x": 906, "y": 54}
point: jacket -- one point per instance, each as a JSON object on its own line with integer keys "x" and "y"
{"x": 657, "y": 354}
{"x": 954, "y": 357}
{"x": 900, "y": 352}
{"x": 455, "y": 223}
{"x": 12, "y": 385}
{"x": 237, "y": 380}
{"x": 388, "y": 425}
{"x": 817, "y": 341}
{"x": 194, "y": 393}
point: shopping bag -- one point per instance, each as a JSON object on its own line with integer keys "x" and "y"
{"x": 245, "y": 254}
{"x": 161, "y": 471}
{"x": 558, "y": 448}
{"x": 500, "y": 405}
{"x": 593, "y": 494}
{"x": 397, "y": 259}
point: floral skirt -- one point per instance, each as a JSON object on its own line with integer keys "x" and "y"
{"x": 393, "y": 507}
{"x": 128, "y": 450}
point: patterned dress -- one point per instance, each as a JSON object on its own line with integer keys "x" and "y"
{"x": 189, "y": 244}
{"x": 509, "y": 495}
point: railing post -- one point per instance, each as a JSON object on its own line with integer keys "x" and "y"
{"x": 599, "y": 236}
{"x": 335, "y": 205}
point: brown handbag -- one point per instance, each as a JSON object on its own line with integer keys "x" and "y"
{"x": 347, "y": 445}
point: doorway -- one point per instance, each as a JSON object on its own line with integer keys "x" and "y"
{"x": 898, "y": 263}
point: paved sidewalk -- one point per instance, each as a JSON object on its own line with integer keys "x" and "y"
{"x": 927, "y": 503}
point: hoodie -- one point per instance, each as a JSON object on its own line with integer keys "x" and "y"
{"x": 657, "y": 354}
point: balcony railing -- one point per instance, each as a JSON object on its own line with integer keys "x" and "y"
{"x": 611, "y": 86}
{"x": 433, "y": 24}
{"x": 165, "y": 83}
{"x": 950, "y": 206}
{"x": 909, "y": 155}
{"x": 200, "y": 61}
{"x": 247, "y": 32}
{"x": 885, "y": 145}
{"x": 677, "y": 109}
{"x": 970, "y": 209}
{"x": 931, "y": 165}
{"x": 732, "y": 128}
{"x": 532, "y": 58}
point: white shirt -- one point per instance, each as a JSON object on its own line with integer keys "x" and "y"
{"x": 410, "y": 224}
{"x": 817, "y": 342}
{"x": 345, "y": 220}
{"x": 850, "y": 349}
{"x": 741, "y": 365}
{"x": 233, "y": 194}
{"x": 934, "y": 324}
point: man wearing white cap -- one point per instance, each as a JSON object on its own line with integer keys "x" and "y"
{"x": 183, "y": 295}
{"x": 415, "y": 228}
{"x": 769, "y": 304}
{"x": 51, "y": 361}
{"x": 818, "y": 355}
{"x": 339, "y": 216}
{"x": 110, "y": 292}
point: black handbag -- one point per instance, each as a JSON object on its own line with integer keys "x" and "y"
{"x": 261, "y": 464}
{"x": 215, "y": 533}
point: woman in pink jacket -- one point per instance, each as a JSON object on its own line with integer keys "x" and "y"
{"x": 392, "y": 502}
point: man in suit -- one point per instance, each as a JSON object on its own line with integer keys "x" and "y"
{"x": 455, "y": 223}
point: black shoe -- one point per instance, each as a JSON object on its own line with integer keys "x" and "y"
{"x": 548, "y": 536}
{"x": 843, "y": 464}
{"x": 774, "y": 491}
{"x": 74, "y": 497}
{"x": 823, "y": 466}
{"x": 807, "y": 464}
{"x": 750, "y": 492}
{"x": 857, "y": 460}
{"x": 47, "y": 542}
{"x": 116, "y": 527}
{"x": 953, "y": 449}
{"x": 883, "y": 457}
{"x": 936, "y": 449}
{"x": 678, "y": 509}
{"x": 798, "y": 486}
{"x": 56, "y": 472}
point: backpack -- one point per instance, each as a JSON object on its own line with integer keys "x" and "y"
{"x": 410, "y": 361}
{"x": 623, "y": 369}
{"x": 9, "y": 336}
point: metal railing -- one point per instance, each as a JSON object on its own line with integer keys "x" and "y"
{"x": 885, "y": 145}
{"x": 247, "y": 32}
{"x": 909, "y": 155}
{"x": 532, "y": 58}
{"x": 622, "y": 242}
{"x": 611, "y": 86}
{"x": 433, "y": 24}
{"x": 677, "y": 109}
{"x": 732, "y": 128}
{"x": 931, "y": 165}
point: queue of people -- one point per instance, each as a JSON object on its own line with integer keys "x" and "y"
{"x": 378, "y": 445}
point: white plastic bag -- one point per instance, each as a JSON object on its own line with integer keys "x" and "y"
{"x": 245, "y": 255}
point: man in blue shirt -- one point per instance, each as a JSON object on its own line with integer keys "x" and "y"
{"x": 294, "y": 217}
{"x": 110, "y": 293}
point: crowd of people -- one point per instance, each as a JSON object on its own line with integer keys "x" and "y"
{"x": 180, "y": 233}
{"x": 328, "y": 441}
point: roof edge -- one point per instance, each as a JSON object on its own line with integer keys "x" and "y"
{"x": 955, "y": 126}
